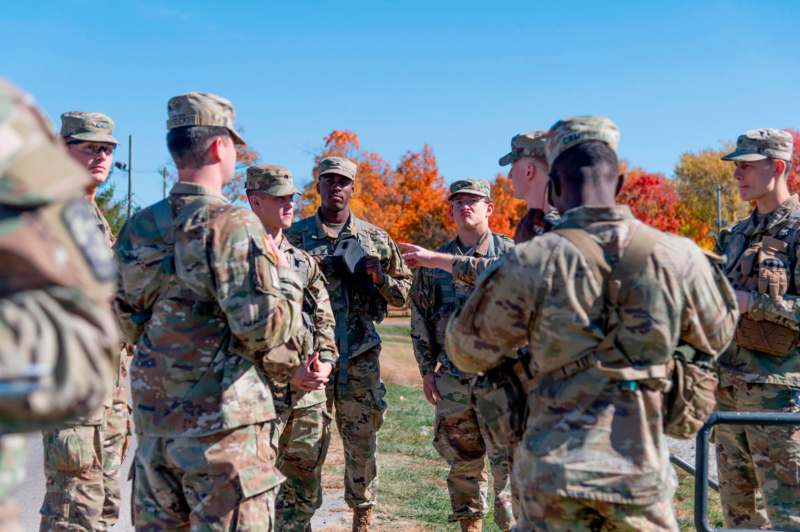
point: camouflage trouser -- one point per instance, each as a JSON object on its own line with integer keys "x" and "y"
{"x": 759, "y": 466}
{"x": 360, "y": 407}
{"x": 73, "y": 466}
{"x": 460, "y": 437}
{"x": 12, "y": 472}
{"x": 225, "y": 481}
{"x": 551, "y": 513}
{"x": 117, "y": 434}
{"x": 302, "y": 447}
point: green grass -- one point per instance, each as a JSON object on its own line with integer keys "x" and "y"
{"x": 400, "y": 331}
{"x": 684, "y": 504}
{"x": 413, "y": 476}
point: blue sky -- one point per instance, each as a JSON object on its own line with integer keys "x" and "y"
{"x": 461, "y": 76}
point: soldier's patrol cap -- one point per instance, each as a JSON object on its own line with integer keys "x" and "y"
{"x": 35, "y": 169}
{"x": 531, "y": 144}
{"x": 338, "y": 165}
{"x": 202, "y": 109}
{"x": 759, "y": 144}
{"x": 271, "y": 179}
{"x": 476, "y": 187}
{"x": 90, "y": 127}
{"x": 579, "y": 129}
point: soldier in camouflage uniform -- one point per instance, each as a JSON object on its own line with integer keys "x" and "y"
{"x": 365, "y": 272}
{"x": 212, "y": 307}
{"x": 304, "y": 420}
{"x": 759, "y": 466}
{"x": 594, "y": 455}
{"x": 56, "y": 287}
{"x": 88, "y": 493}
{"x": 459, "y": 429}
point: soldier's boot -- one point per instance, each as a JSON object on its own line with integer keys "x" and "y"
{"x": 362, "y": 517}
{"x": 471, "y": 524}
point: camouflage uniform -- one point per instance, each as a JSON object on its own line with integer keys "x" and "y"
{"x": 459, "y": 430}
{"x": 303, "y": 424}
{"x": 593, "y": 453}
{"x": 82, "y": 459}
{"x": 759, "y": 466}
{"x": 211, "y": 316}
{"x": 357, "y": 391}
{"x": 56, "y": 286}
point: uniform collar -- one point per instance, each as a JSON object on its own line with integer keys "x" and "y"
{"x": 323, "y": 232}
{"x": 763, "y": 222}
{"x": 182, "y": 188}
{"x": 586, "y": 214}
{"x": 480, "y": 249}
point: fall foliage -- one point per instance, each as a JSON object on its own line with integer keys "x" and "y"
{"x": 409, "y": 199}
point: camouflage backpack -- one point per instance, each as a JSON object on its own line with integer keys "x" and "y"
{"x": 689, "y": 378}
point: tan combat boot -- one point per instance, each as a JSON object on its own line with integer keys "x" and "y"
{"x": 472, "y": 524}
{"x": 361, "y": 519}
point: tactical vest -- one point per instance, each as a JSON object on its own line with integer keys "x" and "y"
{"x": 766, "y": 265}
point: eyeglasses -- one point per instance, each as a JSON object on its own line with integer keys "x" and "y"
{"x": 93, "y": 148}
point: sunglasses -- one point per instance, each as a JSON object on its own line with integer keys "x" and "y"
{"x": 92, "y": 148}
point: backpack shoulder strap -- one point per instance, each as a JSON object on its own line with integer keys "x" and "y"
{"x": 590, "y": 249}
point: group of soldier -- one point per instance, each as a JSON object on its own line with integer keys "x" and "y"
{"x": 245, "y": 332}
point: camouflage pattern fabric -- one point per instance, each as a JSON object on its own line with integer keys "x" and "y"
{"x": 587, "y": 436}
{"x": 358, "y": 393}
{"x": 759, "y": 466}
{"x": 359, "y": 410}
{"x": 212, "y": 318}
{"x": 225, "y": 481}
{"x": 304, "y": 424}
{"x": 460, "y": 435}
{"x": 54, "y": 288}
{"x": 467, "y": 269}
{"x": 204, "y": 313}
{"x": 75, "y": 493}
{"x": 546, "y": 513}
{"x": 304, "y": 436}
{"x": 71, "y": 489}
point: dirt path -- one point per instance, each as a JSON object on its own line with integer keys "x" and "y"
{"x": 397, "y": 367}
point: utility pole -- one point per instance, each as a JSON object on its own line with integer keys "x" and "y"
{"x": 130, "y": 171}
{"x": 164, "y": 181}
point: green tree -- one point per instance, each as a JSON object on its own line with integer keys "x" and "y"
{"x": 113, "y": 209}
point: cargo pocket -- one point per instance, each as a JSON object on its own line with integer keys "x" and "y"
{"x": 71, "y": 450}
{"x": 378, "y": 405}
{"x": 258, "y": 474}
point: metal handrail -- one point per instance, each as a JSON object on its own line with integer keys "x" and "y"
{"x": 701, "y": 457}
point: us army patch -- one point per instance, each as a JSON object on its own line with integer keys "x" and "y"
{"x": 82, "y": 225}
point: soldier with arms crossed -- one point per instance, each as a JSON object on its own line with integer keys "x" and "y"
{"x": 759, "y": 466}
{"x": 212, "y": 306}
{"x": 303, "y": 417}
{"x": 365, "y": 272}
{"x": 594, "y": 455}
{"x": 78, "y": 490}
{"x": 459, "y": 430}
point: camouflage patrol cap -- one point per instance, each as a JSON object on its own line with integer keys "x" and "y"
{"x": 759, "y": 144}
{"x": 531, "y": 144}
{"x": 476, "y": 187}
{"x": 579, "y": 129}
{"x": 338, "y": 165}
{"x": 270, "y": 179}
{"x": 35, "y": 169}
{"x": 202, "y": 109}
{"x": 91, "y": 127}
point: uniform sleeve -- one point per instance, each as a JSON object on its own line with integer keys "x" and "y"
{"x": 397, "y": 281}
{"x": 131, "y": 312}
{"x": 262, "y": 303}
{"x": 423, "y": 333}
{"x": 495, "y": 319}
{"x": 322, "y": 316}
{"x": 467, "y": 269}
{"x": 710, "y": 314}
